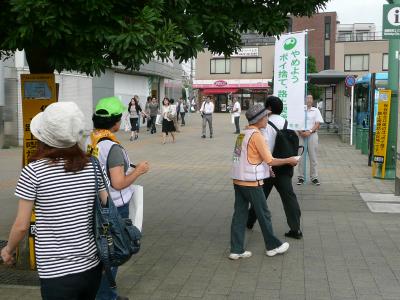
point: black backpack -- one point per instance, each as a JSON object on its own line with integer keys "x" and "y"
{"x": 286, "y": 145}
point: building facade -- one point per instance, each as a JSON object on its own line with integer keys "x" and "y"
{"x": 158, "y": 79}
{"x": 339, "y": 50}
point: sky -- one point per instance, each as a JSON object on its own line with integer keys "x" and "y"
{"x": 358, "y": 11}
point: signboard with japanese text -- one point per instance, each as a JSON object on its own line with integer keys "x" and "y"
{"x": 289, "y": 77}
{"x": 381, "y": 134}
{"x": 38, "y": 91}
{"x": 391, "y": 21}
{"x": 244, "y": 52}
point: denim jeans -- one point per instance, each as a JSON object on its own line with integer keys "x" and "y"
{"x": 80, "y": 286}
{"x": 105, "y": 292}
{"x": 245, "y": 195}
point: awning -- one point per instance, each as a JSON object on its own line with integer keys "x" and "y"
{"x": 219, "y": 91}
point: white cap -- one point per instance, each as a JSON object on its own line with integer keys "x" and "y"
{"x": 60, "y": 125}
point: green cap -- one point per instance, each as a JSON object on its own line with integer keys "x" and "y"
{"x": 112, "y": 105}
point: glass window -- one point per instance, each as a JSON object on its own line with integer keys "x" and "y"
{"x": 327, "y": 31}
{"x": 251, "y": 65}
{"x": 219, "y": 66}
{"x": 356, "y": 62}
{"x": 385, "y": 62}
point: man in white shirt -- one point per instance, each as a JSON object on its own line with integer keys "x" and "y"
{"x": 236, "y": 110}
{"x": 206, "y": 111}
{"x": 309, "y": 139}
{"x": 283, "y": 178}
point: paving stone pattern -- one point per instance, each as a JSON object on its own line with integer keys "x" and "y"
{"x": 347, "y": 251}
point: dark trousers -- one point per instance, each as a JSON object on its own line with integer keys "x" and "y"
{"x": 153, "y": 124}
{"x": 283, "y": 184}
{"x": 148, "y": 122}
{"x": 237, "y": 124}
{"x": 183, "y": 118}
{"x": 255, "y": 196}
{"x": 80, "y": 286}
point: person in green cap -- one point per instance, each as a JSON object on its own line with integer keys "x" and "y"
{"x": 103, "y": 144}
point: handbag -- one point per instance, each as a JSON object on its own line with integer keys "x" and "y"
{"x": 116, "y": 238}
{"x": 136, "y": 206}
{"x": 159, "y": 119}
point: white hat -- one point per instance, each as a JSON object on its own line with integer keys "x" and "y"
{"x": 60, "y": 125}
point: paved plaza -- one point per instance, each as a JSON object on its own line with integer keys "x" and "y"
{"x": 347, "y": 251}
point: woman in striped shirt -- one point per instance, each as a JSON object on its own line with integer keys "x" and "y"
{"x": 60, "y": 182}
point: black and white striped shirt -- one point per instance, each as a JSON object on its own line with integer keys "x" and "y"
{"x": 64, "y": 242}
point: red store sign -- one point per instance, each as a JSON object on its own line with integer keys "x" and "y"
{"x": 220, "y": 83}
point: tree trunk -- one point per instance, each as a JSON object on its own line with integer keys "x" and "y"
{"x": 38, "y": 62}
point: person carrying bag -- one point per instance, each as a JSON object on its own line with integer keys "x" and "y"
{"x": 104, "y": 145}
{"x": 116, "y": 238}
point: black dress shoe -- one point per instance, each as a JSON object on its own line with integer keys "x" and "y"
{"x": 294, "y": 234}
{"x": 203, "y": 136}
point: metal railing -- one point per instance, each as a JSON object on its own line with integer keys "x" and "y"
{"x": 358, "y": 36}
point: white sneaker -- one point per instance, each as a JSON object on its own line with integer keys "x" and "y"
{"x": 235, "y": 256}
{"x": 280, "y": 250}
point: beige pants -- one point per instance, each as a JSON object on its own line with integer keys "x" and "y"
{"x": 312, "y": 147}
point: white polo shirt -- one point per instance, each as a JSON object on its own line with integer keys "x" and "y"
{"x": 207, "y": 108}
{"x": 269, "y": 132}
{"x": 239, "y": 110}
{"x": 313, "y": 116}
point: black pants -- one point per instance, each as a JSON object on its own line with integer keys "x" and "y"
{"x": 283, "y": 184}
{"x": 153, "y": 124}
{"x": 148, "y": 122}
{"x": 81, "y": 286}
{"x": 237, "y": 124}
{"x": 183, "y": 118}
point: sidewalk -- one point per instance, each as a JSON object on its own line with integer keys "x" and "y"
{"x": 347, "y": 252}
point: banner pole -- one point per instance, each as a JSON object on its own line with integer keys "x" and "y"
{"x": 305, "y": 110}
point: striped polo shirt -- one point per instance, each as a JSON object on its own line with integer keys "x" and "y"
{"x": 64, "y": 201}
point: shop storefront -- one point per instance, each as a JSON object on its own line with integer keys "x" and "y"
{"x": 248, "y": 92}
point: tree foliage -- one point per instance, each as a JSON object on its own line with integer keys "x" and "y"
{"x": 91, "y": 35}
{"x": 313, "y": 89}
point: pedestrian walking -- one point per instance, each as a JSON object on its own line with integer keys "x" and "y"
{"x": 135, "y": 112}
{"x": 174, "y": 114}
{"x": 193, "y": 104}
{"x": 167, "y": 123}
{"x": 236, "y": 110}
{"x": 251, "y": 164}
{"x": 309, "y": 139}
{"x": 147, "y": 118}
{"x": 283, "y": 177}
{"x": 60, "y": 182}
{"x": 153, "y": 111}
{"x": 206, "y": 111}
{"x": 182, "y": 110}
{"x": 103, "y": 144}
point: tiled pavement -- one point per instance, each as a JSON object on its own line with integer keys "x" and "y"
{"x": 347, "y": 251}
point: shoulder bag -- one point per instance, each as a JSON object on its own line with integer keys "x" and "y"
{"x": 116, "y": 238}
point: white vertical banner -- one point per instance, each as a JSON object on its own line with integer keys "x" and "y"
{"x": 289, "y": 77}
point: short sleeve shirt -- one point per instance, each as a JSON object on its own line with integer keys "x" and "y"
{"x": 313, "y": 116}
{"x": 64, "y": 242}
{"x": 116, "y": 158}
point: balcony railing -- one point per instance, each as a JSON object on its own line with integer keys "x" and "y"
{"x": 358, "y": 36}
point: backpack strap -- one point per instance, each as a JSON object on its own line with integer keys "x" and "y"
{"x": 273, "y": 126}
{"x": 276, "y": 128}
